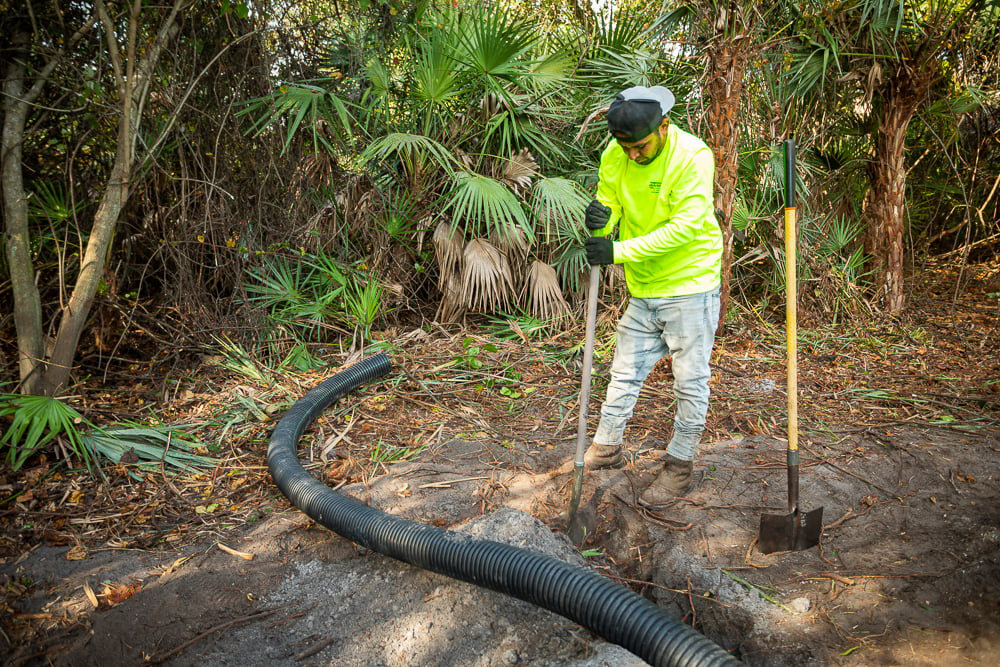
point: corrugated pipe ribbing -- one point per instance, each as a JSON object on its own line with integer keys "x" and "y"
{"x": 582, "y": 595}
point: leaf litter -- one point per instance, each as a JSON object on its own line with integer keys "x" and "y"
{"x": 899, "y": 441}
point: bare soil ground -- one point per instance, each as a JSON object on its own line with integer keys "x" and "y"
{"x": 900, "y": 447}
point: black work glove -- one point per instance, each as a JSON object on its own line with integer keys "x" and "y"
{"x": 597, "y": 216}
{"x": 599, "y": 250}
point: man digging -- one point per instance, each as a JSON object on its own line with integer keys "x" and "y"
{"x": 656, "y": 185}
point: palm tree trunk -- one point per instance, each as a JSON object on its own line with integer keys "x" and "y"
{"x": 724, "y": 89}
{"x": 887, "y": 197}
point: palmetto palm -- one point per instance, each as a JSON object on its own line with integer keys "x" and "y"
{"x": 883, "y": 60}
{"x": 463, "y": 117}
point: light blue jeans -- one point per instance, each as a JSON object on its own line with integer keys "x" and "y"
{"x": 683, "y": 327}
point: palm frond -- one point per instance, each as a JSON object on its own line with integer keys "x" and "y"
{"x": 448, "y": 249}
{"x": 494, "y": 44}
{"x": 36, "y": 422}
{"x": 410, "y": 147}
{"x": 481, "y": 205}
{"x": 520, "y": 170}
{"x": 542, "y": 293}
{"x": 451, "y": 308}
{"x": 558, "y": 203}
{"x": 487, "y": 283}
{"x": 304, "y": 105}
{"x": 154, "y": 446}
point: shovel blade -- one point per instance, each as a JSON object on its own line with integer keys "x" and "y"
{"x": 790, "y": 532}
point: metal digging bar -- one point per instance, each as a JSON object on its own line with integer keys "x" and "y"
{"x": 576, "y": 527}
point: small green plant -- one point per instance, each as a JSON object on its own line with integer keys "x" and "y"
{"x": 363, "y": 303}
{"x": 302, "y": 293}
{"x": 38, "y": 421}
{"x": 237, "y": 359}
{"x": 522, "y": 326}
{"x": 384, "y": 453}
{"x": 591, "y": 553}
{"x": 471, "y": 352}
{"x": 301, "y": 359}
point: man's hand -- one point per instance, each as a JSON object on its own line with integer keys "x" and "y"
{"x": 597, "y": 216}
{"x": 599, "y": 250}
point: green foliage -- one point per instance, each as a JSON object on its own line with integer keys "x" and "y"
{"x": 471, "y": 351}
{"x": 385, "y": 453}
{"x": 237, "y": 359}
{"x": 363, "y": 303}
{"x": 158, "y": 447}
{"x": 38, "y": 421}
{"x": 304, "y": 294}
{"x": 485, "y": 206}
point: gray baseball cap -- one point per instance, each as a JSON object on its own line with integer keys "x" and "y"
{"x": 638, "y": 111}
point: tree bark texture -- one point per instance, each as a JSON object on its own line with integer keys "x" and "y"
{"x": 27, "y": 304}
{"x": 887, "y": 196}
{"x": 727, "y": 66}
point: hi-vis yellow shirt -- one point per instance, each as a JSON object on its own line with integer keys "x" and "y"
{"x": 669, "y": 239}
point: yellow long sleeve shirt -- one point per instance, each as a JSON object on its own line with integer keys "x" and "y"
{"x": 669, "y": 239}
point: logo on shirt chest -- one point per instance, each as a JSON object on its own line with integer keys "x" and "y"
{"x": 654, "y": 186}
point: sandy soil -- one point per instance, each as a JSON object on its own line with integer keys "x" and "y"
{"x": 899, "y": 448}
{"x": 905, "y": 574}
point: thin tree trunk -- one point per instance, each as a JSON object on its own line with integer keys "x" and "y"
{"x": 27, "y": 303}
{"x": 133, "y": 86}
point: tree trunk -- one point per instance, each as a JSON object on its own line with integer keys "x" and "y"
{"x": 887, "y": 196}
{"x": 27, "y": 303}
{"x": 724, "y": 90}
{"x": 41, "y": 375}
{"x": 133, "y": 87}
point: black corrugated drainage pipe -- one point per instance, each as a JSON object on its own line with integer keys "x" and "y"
{"x": 580, "y": 594}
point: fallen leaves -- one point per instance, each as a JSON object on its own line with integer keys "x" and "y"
{"x": 234, "y": 552}
{"x": 78, "y": 552}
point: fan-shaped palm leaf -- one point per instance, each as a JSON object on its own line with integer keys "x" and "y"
{"x": 494, "y": 44}
{"x": 451, "y": 308}
{"x": 302, "y": 102}
{"x": 513, "y": 243}
{"x": 448, "y": 248}
{"x": 483, "y": 205}
{"x": 558, "y": 203}
{"x": 519, "y": 171}
{"x": 487, "y": 284}
{"x": 542, "y": 293}
{"x": 410, "y": 148}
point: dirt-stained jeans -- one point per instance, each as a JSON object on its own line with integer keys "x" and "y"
{"x": 683, "y": 327}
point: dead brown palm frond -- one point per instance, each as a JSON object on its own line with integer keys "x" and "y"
{"x": 512, "y": 241}
{"x": 520, "y": 170}
{"x": 542, "y": 292}
{"x": 448, "y": 248}
{"x": 451, "y": 308}
{"x": 487, "y": 282}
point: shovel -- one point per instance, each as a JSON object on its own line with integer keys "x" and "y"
{"x": 796, "y": 530}
{"x": 576, "y": 527}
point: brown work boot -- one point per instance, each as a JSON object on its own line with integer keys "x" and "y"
{"x": 602, "y": 456}
{"x": 674, "y": 481}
